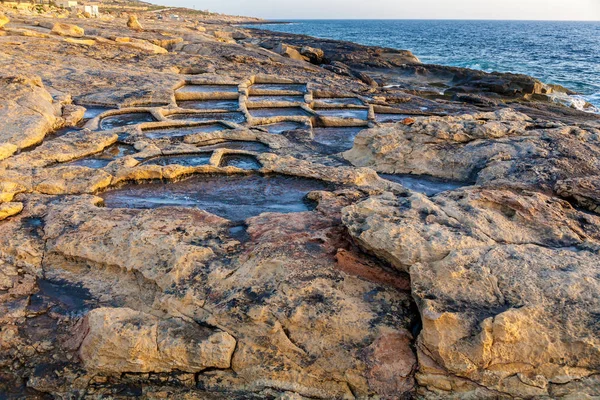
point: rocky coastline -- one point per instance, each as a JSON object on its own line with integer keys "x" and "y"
{"x": 191, "y": 209}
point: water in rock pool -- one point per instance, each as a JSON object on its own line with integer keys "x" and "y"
{"x": 385, "y": 118}
{"x": 230, "y": 105}
{"x": 174, "y": 132}
{"x": 282, "y": 127}
{"x": 278, "y": 87}
{"x": 278, "y": 112}
{"x": 94, "y": 111}
{"x": 336, "y": 140}
{"x": 427, "y": 185}
{"x": 237, "y": 145}
{"x": 340, "y": 101}
{"x": 186, "y": 160}
{"x": 345, "y": 113}
{"x": 242, "y": 161}
{"x": 235, "y": 197}
{"x": 117, "y": 121}
{"x": 204, "y": 117}
{"x": 281, "y": 99}
{"x": 207, "y": 89}
{"x": 104, "y": 158}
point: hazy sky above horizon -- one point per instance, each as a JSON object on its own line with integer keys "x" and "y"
{"x": 400, "y": 9}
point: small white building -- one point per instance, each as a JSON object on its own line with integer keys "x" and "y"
{"x": 67, "y": 3}
{"x": 91, "y": 9}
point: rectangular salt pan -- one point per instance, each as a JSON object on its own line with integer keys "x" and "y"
{"x": 204, "y": 117}
{"x": 341, "y": 101}
{"x": 277, "y": 112}
{"x": 174, "y": 132}
{"x": 120, "y": 120}
{"x": 231, "y": 105}
{"x": 280, "y": 99}
{"x": 278, "y": 87}
{"x": 208, "y": 89}
{"x": 344, "y": 113}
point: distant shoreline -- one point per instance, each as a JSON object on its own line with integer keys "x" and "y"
{"x": 267, "y": 22}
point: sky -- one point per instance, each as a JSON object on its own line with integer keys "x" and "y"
{"x": 400, "y": 9}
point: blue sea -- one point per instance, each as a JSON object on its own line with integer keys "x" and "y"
{"x": 564, "y": 53}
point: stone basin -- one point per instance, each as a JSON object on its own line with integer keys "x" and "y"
{"x": 345, "y": 113}
{"x": 341, "y": 101}
{"x": 101, "y": 160}
{"x": 186, "y": 160}
{"x": 175, "y": 132}
{"x": 120, "y": 120}
{"x": 235, "y": 197}
{"x": 257, "y": 147}
{"x": 278, "y": 87}
{"x": 428, "y": 185}
{"x": 208, "y": 89}
{"x": 276, "y": 98}
{"x": 236, "y": 117}
{"x": 278, "y": 112}
{"x": 230, "y": 105}
{"x": 282, "y": 127}
{"x": 386, "y": 117}
{"x": 242, "y": 161}
{"x": 336, "y": 140}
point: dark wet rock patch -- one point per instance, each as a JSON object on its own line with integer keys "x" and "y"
{"x": 335, "y": 140}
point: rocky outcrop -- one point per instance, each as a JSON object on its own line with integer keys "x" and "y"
{"x": 134, "y": 24}
{"x": 345, "y": 52}
{"x": 9, "y": 209}
{"x": 120, "y": 340}
{"x": 584, "y": 191}
{"x": 3, "y": 20}
{"x": 27, "y": 111}
{"x": 289, "y": 52}
{"x": 71, "y": 146}
{"x": 264, "y": 298}
{"x": 141, "y": 45}
{"x": 486, "y": 148}
{"x": 315, "y": 56}
{"x": 488, "y": 269}
{"x": 68, "y": 30}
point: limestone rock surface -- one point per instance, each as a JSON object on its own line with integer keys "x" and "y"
{"x": 470, "y": 272}
{"x": 28, "y": 112}
{"x": 490, "y": 270}
{"x": 134, "y": 24}
{"x": 120, "y": 340}
{"x": 3, "y": 20}
{"x": 68, "y": 30}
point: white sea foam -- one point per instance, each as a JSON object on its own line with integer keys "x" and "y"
{"x": 577, "y": 102}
